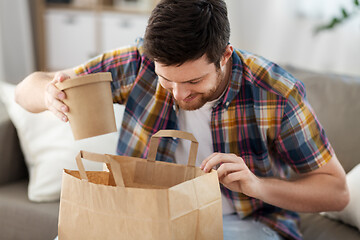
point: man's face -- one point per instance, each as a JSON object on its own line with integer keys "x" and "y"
{"x": 193, "y": 83}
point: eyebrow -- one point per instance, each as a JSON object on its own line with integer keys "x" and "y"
{"x": 191, "y": 80}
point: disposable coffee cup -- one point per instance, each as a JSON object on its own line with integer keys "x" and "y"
{"x": 89, "y": 99}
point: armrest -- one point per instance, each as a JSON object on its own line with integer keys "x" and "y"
{"x": 12, "y": 164}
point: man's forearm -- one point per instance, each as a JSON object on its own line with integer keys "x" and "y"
{"x": 30, "y": 92}
{"x": 313, "y": 193}
{"x": 37, "y": 92}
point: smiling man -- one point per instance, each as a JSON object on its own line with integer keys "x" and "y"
{"x": 198, "y": 83}
{"x": 251, "y": 118}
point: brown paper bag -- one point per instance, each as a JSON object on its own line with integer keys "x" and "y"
{"x": 141, "y": 198}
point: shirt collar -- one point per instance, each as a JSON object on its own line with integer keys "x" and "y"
{"x": 235, "y": 81}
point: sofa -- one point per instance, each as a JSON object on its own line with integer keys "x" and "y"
{"x": 333, "y": 97}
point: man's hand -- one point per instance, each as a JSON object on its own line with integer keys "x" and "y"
{"x": 38, "y": 93}
{"x": 323, "y": 189}
{"x": 53, "y": 97}
{"x": 233, "y": 173}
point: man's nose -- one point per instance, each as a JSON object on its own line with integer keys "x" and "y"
{"x": 180, "y": 92}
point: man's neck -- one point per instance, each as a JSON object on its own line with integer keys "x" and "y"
{"x": 224, "y": 82}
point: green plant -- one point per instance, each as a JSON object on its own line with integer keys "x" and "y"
{"x": 338, "y": 20}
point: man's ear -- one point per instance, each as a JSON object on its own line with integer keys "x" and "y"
{"x": 227, "y": 55}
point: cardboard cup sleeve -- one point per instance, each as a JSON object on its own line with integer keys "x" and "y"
{"x": 89, "y": 99}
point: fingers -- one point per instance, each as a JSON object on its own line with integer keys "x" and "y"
{"x": 227, "y": 168}
{"x": 230, "y": 178}
{"x": 218, "y": 158}
{"x": 243, "y": 181}
{"x": 205, "y": 162}
{"x": 234, "y": 181}
{"x": 59, "y": 109}
{"x": 233, "y": 173}
{"x": 54, "y": 92}
{"x": 54, "y": 97}
{"x": 60, "y": 77}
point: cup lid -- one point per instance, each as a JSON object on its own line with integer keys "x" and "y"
{"x": 84, "y": 79}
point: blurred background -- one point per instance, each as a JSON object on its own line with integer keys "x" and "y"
{"x": 57, "y": 34}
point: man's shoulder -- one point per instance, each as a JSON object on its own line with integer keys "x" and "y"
{"x": 266, "y": 75}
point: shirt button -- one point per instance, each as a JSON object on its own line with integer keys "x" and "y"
{"x": 227, "y": 104}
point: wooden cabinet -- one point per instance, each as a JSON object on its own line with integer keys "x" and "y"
{"x": 70, "y": 34}
{"x": 69, "y": 38}
{"x": 121, "y": 29}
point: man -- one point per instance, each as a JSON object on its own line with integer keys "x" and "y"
{"x": 251, "y": 117}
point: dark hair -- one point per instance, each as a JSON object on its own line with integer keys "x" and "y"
{"x": 184, "y": 30}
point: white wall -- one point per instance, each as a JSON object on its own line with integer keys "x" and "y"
{"x": 2, "y": 74}
{"x": 283, "y": 31}
{"x": 16, "y": 50}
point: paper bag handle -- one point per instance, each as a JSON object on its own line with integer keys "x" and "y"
{"x": 115, "y": 169}
{"x": 154, "y": 143}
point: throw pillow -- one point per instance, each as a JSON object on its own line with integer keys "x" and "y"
{"x": 351, "y": 213}
{"x": 49, "y": 147}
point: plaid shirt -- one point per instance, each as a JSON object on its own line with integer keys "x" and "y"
{"x": 263, "y": 117}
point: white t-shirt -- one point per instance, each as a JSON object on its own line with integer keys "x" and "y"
{"x": 198, "y": 123}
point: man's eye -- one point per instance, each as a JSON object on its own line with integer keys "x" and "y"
{"x": 195, "y": 82}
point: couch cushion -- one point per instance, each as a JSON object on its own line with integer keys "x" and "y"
{"x": 49, "y": 147}
{"x": 12, "y": 165}
{"x": 335, "y": 100}
{"x": 317, "y": 227}
{"x": 22, "y": 219}
{"x": 351, "y": 213}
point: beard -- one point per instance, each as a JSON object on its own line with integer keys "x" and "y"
{"x": 201, "y": 98}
